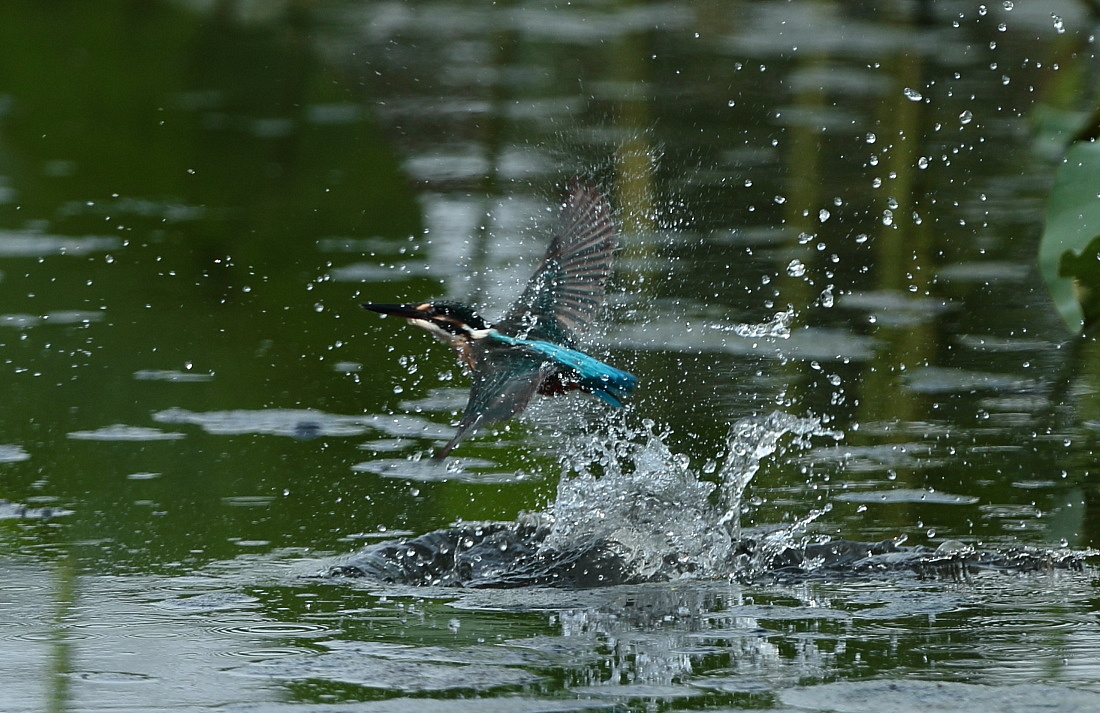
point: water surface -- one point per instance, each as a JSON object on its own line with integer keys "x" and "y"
{"x": 829, "y": 210}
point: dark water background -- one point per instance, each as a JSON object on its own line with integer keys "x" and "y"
{"x": 195, "y": 196}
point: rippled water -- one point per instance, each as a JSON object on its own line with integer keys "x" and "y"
{"x": 829, "y": 212}
{"x": 228, "y": 635}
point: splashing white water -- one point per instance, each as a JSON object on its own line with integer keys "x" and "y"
{"x": 778, "y": 327}
{"x": 629, "y": 491}
{"x": 750, "y": 441}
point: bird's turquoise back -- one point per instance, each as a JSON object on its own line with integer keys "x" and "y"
{"x": 604, "y": 380}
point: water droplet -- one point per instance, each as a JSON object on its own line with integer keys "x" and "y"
{"x": 887, "y": 217}
{"x": 398, "y": 389}
{"x": 922, "y": 162}
{"x": 912, "y": 94}
{"x": 871, "y": 138}
{"x": 1059, "y": 26}
{"x": 965, "y": 118}
{"x": 780, "y": 200}
{"x": 796, "y": 268}
{"x": 823, "y": 215}
{"x": 1007, "y": 5}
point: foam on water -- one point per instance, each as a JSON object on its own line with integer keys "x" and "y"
{"x": 629, "y": 490}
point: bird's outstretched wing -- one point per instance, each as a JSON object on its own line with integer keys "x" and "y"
{"x": 567, "y": 289}
{"x": 504, "y": 380}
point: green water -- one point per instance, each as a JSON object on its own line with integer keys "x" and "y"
{"x": 195, "y": 198}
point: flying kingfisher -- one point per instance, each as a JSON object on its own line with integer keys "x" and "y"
{"x": 533, "y": 349}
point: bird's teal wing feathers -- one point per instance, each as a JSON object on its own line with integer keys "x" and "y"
{"x": 567, "y": 289}
{"x": 504, "y": 380}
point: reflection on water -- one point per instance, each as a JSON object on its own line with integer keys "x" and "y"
{"x": 297, "y": 423}
{"x": 249, "y": 631}
{"x": 830, "y": 212}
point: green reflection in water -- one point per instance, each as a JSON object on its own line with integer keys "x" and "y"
{"x": 208, "y": 160}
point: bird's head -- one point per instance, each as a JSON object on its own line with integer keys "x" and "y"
{"x": 449, "y": 321}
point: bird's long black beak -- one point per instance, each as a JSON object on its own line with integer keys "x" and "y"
{"x": 408, "y": 311}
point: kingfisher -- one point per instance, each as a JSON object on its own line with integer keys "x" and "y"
{"x": 534, "y": 348}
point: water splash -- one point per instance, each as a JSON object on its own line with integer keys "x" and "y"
{"x": 629, "y": 491}
{"x": 779, "y": 326}
{"x": 750, "y": 441}
{"x": 630, "y": 510}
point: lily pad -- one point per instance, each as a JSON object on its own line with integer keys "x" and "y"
{"x": 1069, "y": 253}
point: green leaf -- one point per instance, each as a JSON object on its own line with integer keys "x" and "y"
{"x": 1069, "y": 252}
